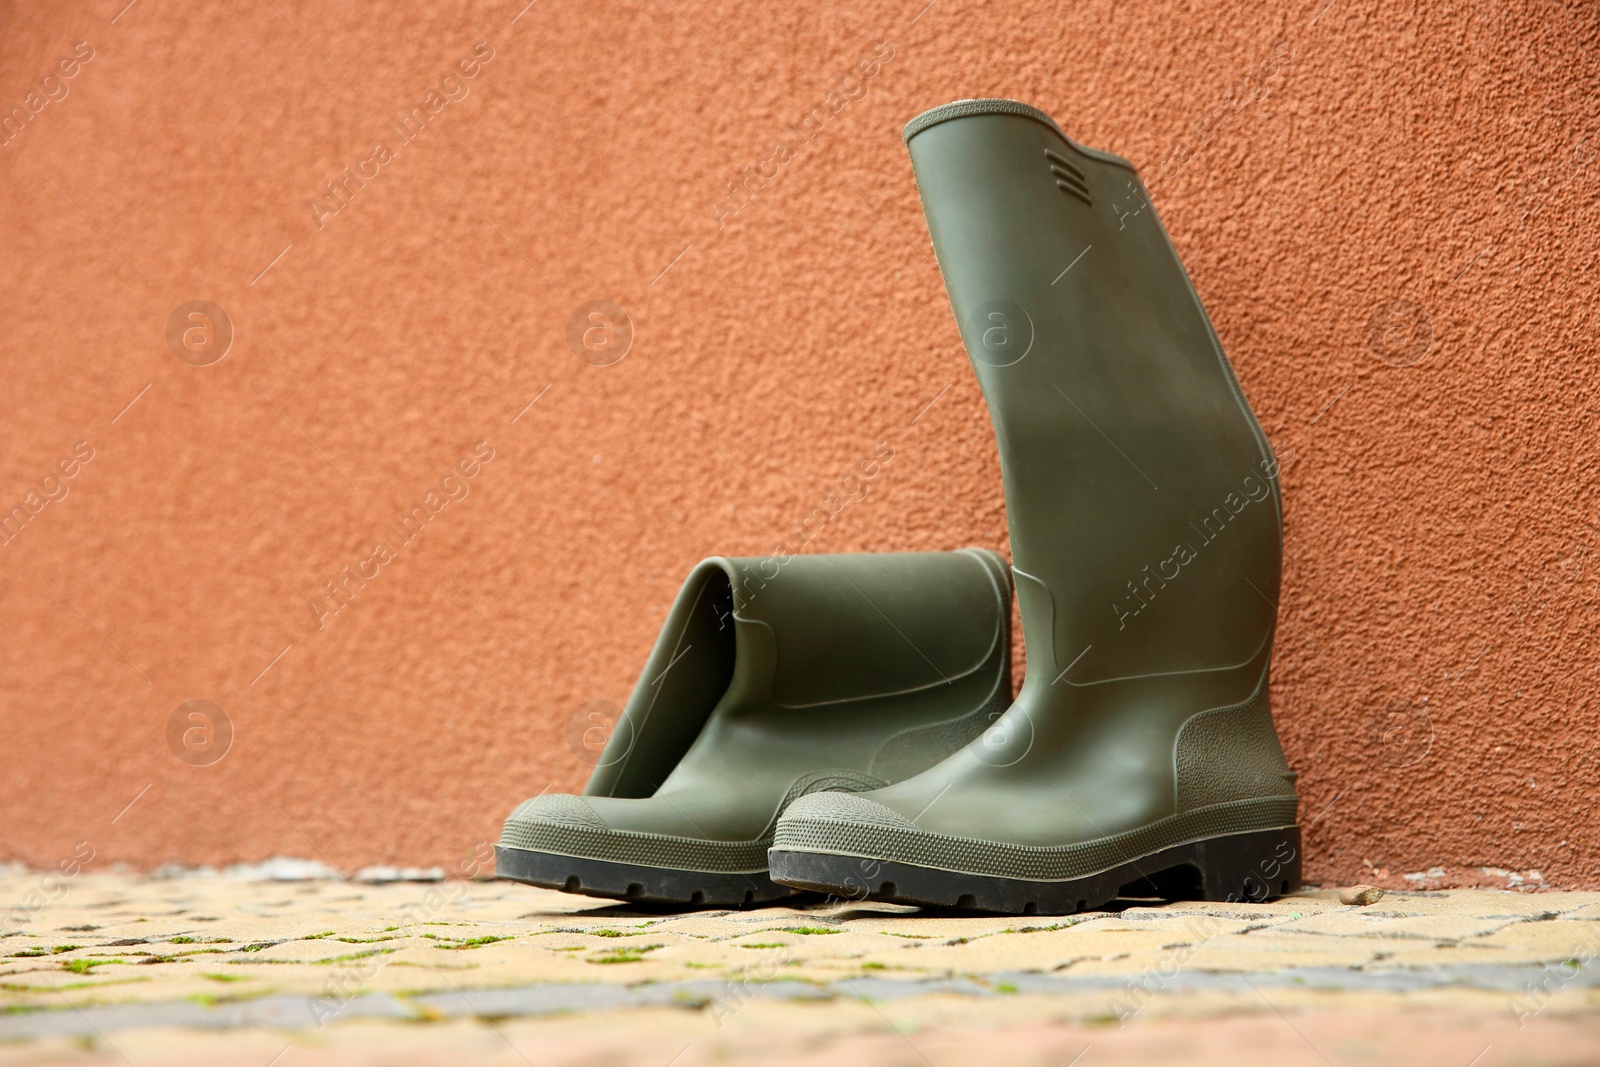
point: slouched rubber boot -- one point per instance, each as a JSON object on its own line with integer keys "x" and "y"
{"x": 1140, "y": 756}
{"x": 770, "y": 681}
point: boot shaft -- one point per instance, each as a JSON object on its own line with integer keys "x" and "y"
{"x": 1141, "y": 493}
{"x": 823, "y": 661}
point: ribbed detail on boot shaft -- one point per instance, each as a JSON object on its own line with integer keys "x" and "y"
{"x": 961, "y": 109}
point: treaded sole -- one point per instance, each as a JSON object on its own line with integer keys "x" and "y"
{"x": 637, "y": 883}
{"x": 1256, "y": 866}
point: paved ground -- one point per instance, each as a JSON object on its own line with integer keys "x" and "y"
{"x": 113, "y": 969}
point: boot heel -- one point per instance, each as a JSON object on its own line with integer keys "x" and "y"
{"x": 1253, "y": 867}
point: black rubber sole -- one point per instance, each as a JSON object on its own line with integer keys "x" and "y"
{"x": 1256, "y": 866}
{"x": 633, "y": 882}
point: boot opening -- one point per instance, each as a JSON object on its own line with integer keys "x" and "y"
{"x": 672, "y": 701}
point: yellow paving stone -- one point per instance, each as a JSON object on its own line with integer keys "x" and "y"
{"x": 1553, "y": 939}
{"x": 1486, "y": 903}
{"x": 1369, "y": 923}
{"x": 1289, "y": 948}
{"x": 1448, "y": 954}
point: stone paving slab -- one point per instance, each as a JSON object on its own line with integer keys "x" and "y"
{"x": 96, "y": 966}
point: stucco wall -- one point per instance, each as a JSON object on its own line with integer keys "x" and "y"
{"x": 1389, "y": 210}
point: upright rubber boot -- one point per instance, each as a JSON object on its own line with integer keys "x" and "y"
{"x": 1140, "y": 757}
{"x": 771, "y": 680}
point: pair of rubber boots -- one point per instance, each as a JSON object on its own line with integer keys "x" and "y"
{"x": 845, "y": 724}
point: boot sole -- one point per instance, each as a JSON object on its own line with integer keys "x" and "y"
{"x": 633, "y": 882}
{"x": 1256, "y": 866}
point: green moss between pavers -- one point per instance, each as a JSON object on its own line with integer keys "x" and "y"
{"x": 349, "y": 956}
{"x": 469, "y": 942}
{"x": 41, "y": 950}
{"x": 631, "y": 954}
{"x": 85, "y": 965}
{"x": 476, "y": 942}
{"x": 67, "y": 987}
{"x": 293, "y": 963}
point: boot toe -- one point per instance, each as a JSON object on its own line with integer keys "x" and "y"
{"x": 556, "y": 809}
{"x": 564, "y": 825}
{"x": 842, "y": 823}
{"x": 554, "y": 822}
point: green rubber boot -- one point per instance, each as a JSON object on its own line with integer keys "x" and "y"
{"x": 1140, "y": 757}
{"x": 770, "y": 681}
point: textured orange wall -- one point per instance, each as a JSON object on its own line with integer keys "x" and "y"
{"x": 1389, "y": 210}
